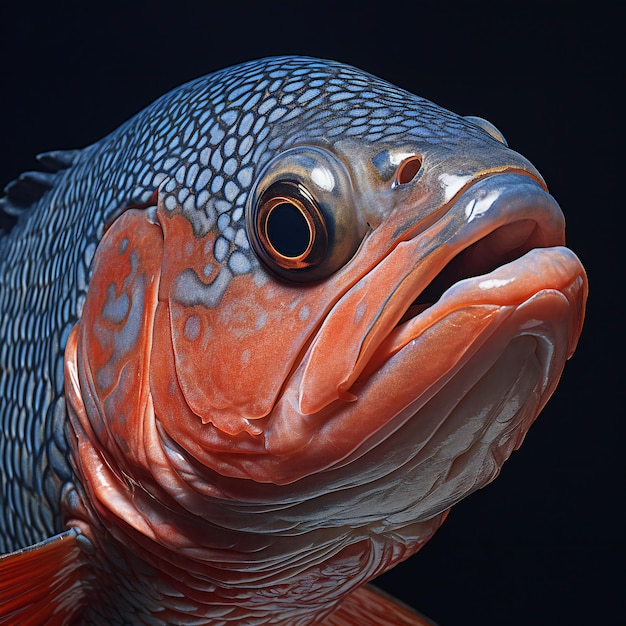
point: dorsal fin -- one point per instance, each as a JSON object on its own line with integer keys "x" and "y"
{"x": 56, "y": 160}
{"x": 41, "y": 584}
{"x": 29, "y": 187}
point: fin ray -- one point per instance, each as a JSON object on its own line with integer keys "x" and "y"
{"x": 42, "y": 583}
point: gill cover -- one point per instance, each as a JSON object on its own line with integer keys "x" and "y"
{"x": 113, "y": 340}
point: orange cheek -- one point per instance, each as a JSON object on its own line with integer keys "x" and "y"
{"x": 233, "y": 340}
{"x": 231, "y": 361}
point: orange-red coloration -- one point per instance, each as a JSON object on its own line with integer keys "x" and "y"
{"x": 114, "y": 352}
{"x": 51, "y": 569}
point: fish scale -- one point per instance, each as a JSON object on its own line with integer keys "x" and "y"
{"x": 193, "y": 157}
{"x": 69, "y": 222}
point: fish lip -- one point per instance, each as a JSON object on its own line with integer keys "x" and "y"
{"x": 539, "y": 272}
{"x": 504, "y": 216}
{"x": 487, "y": 212}
{"x": 498, "y": 219}
{"x": 537, "y": 262}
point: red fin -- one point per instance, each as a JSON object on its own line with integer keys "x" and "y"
{"x": 368, "y": 606}
{"x": 41, "y": 584}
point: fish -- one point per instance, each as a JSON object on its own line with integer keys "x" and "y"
{"x": 256, "y": 343}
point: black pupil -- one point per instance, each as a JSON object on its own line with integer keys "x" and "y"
{"x": 288, "y": 230}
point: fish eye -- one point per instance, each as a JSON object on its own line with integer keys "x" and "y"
{"x": 301, "y": 215}
{"x": 290, "y": 227}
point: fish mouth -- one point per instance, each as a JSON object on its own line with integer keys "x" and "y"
{"x": 504, "y": 245}
{"x": 493, "y": 268}
{"x": 540, "y": 272}
{"x": 511, "y": 249}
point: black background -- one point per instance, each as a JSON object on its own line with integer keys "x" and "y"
{"x": 544, "y": 544}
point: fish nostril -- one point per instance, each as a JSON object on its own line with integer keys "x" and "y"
{"x": 408, "y": 170}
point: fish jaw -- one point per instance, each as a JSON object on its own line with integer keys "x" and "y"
{"x": 445, "y": 352}
{"x": 502, "y": 214}
{"x": 507, "y": 286}
{"x": 540, "y": 292}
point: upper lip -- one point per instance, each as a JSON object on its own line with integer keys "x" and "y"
{"x": 494, "y": 221}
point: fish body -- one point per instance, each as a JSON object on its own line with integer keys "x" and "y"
{"x": 256, "y": 342}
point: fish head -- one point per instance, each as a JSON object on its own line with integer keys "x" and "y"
{"x": 337, "y": 288}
